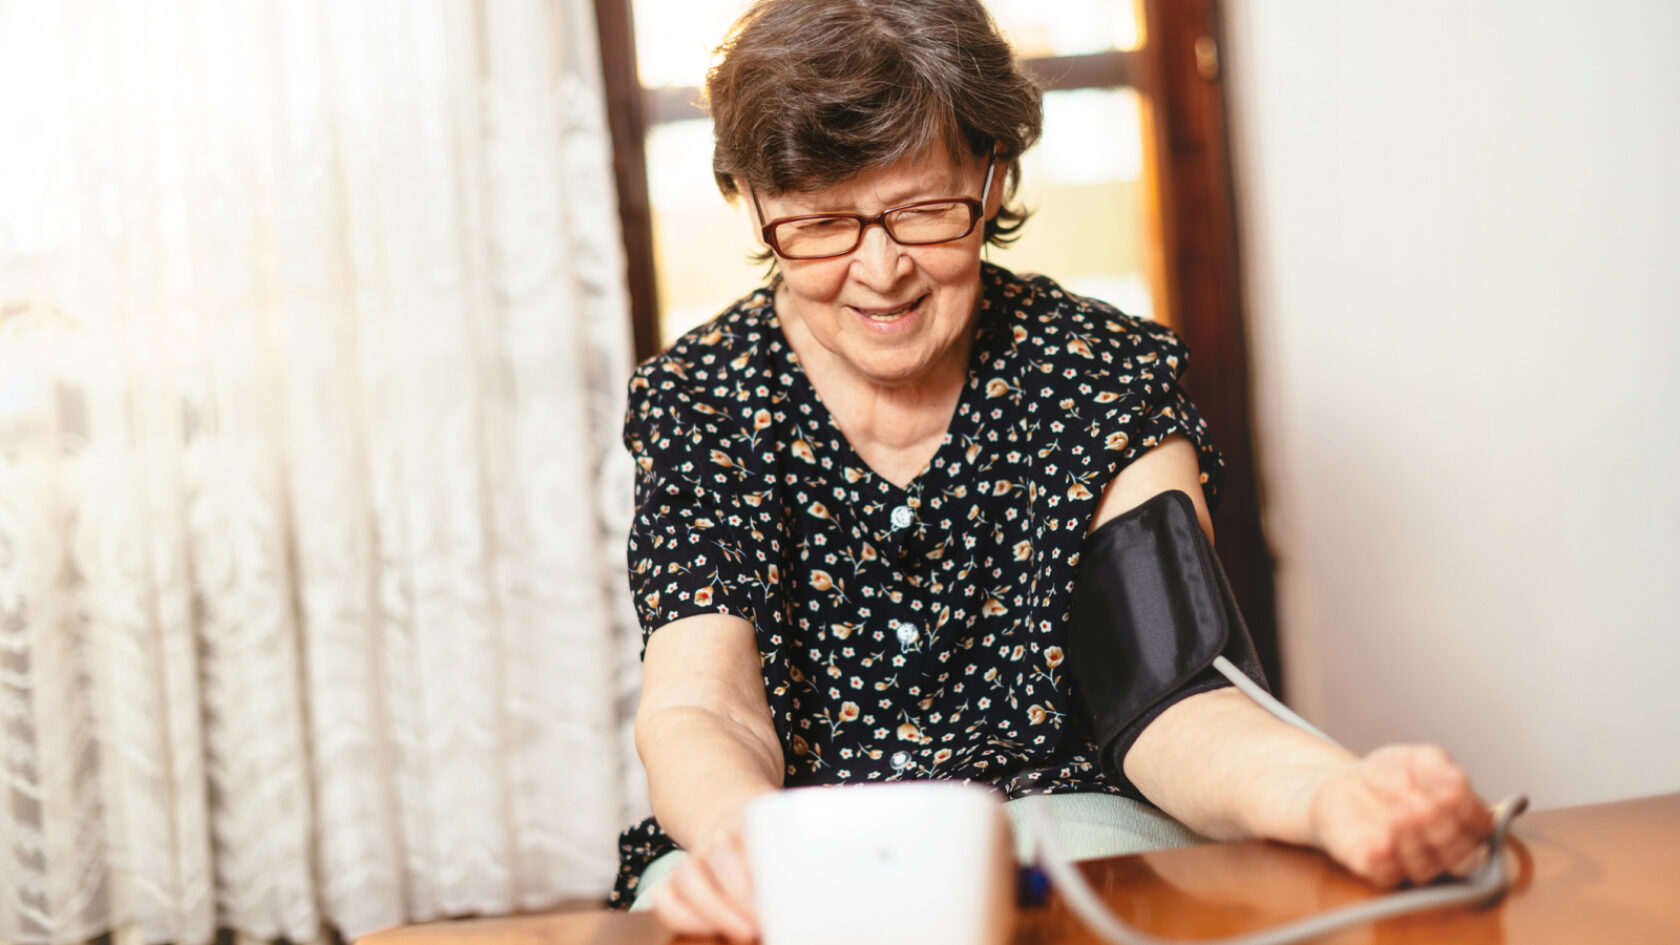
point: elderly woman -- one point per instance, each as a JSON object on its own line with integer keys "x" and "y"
{"x": 863, "y": 489}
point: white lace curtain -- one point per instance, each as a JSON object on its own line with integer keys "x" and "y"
{"x": 312, "y": 340}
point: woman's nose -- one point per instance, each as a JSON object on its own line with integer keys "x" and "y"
{"x": 879, "y": 261}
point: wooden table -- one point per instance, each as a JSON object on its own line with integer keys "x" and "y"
{"x": 1605, "y": 873}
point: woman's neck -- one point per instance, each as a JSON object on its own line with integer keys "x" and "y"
{"x": 895, "y": 428}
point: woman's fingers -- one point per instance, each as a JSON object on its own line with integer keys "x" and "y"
{"x": 728, "y": 862}
{"x": 1417, "y": 818}
{"x": 1450, "y": 841}
{"x": 692, "y": 902}
{"x": 1458, "y": 820}
{"x": 1471, "y": 862}
{"x": 1405, "y": 812}
{"x": 1420, "y": 862}
{"x": 677, "y": 915}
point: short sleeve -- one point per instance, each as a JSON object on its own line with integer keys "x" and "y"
{"x": 1143, "y": 374}
{"x": 1175, "y": 415}
{"x": 685, "y": 550}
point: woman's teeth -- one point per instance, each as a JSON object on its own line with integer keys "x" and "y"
{"x": 883, "y": 316}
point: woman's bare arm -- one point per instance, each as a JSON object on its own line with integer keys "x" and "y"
{"x": 703, "y": 727}
{"x": 1226, "y": 768}
{"x": 704, "y": 733}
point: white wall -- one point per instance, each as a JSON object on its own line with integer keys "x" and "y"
{"x": 1461, "y": 233}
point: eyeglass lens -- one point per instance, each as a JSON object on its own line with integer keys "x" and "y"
{"x": 936, "y": 222}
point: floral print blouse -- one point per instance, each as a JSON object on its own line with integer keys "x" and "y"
{"x": 909, "y": 632}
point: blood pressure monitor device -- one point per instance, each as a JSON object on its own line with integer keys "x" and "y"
{"x": 924, "y": 862}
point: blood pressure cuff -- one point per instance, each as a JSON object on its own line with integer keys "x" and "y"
{"x": 1151, "y": 610}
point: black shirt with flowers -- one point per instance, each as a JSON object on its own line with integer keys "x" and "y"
{"x": 911, "y": 632}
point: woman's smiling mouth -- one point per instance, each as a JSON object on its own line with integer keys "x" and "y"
{"x": 889, "y": 314}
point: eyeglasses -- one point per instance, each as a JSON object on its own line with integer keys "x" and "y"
{"x": 923, "y": 223}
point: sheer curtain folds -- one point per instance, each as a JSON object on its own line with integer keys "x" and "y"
{"x": 312, "y": 343}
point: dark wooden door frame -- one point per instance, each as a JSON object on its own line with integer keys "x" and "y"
{"x": 1179, "y": 69}
{"x": 1199, "y": 235}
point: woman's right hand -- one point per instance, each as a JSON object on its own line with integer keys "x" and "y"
{"x": 710, "y": 893}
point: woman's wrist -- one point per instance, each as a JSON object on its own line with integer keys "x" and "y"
{"x": 1290, "y": 807}
{"x": 695, "y": 818}
{"x": 728, "y": 819}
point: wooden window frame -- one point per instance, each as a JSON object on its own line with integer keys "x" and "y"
{"x": 1178, "y": 70}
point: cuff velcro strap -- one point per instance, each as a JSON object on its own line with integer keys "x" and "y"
{"x": 1151, "y": 610}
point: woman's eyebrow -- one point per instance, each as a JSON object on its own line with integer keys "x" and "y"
{"x": 927, "y": 190}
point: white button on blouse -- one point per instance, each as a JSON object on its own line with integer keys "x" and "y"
{"x": 903, "y": 516}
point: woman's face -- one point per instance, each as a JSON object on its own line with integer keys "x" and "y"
{"x": 884, "y": 314}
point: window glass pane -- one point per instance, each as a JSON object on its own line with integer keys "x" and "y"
{"x": 675, "y": 38}
{"x": 700, "y": 242}
{"x": 1093, "y": 224}
{"x": 1068, "y": 27}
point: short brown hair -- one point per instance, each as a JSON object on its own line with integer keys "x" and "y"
{"x": 808, "y": 93}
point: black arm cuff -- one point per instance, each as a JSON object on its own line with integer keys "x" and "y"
{"x": 1151, "y": 610}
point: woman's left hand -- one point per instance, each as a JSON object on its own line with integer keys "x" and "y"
{"x": 1403, "y": 812}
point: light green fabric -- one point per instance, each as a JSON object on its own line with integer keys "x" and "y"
{"x": 653, "y": 876}
{"x": 1088, "y": 826}
{"x": 1091, "y": 826}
